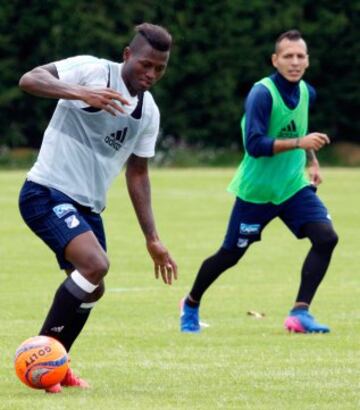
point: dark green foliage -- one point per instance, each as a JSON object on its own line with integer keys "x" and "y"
{"x": 220, "y": 49}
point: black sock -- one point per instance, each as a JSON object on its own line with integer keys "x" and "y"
{"x": 212, "y": 268}
{"x": 66, "y": 318}
{"x": 324, "y": 240}
{"x": 312, "y": 274}
{"x": 72, "y": 332}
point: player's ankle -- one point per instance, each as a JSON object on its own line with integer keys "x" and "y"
{"x": 191, "y": 302}
{"x": 301, "y": 306}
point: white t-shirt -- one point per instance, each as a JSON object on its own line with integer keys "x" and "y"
{"x": 82, "y": 152}
{"x": 89, "y": 71}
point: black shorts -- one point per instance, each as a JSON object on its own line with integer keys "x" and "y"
{"x": 57, "y": 219}
{"x": 248, "y": 219}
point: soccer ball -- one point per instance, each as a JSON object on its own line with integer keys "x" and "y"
{"x": 41, "y": 362}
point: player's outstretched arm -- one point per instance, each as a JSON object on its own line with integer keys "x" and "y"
{"x": 138, "y": 184}
{"x": 43, "y": 81}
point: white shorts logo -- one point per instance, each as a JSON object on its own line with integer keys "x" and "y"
{"x": 72, "y": 221}
{"x": 242, "y": 243}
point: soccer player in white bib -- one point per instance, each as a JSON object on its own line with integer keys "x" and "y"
{"x": 105, "y": 119}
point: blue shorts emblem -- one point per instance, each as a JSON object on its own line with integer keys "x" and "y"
{"x": 249, "y": 229}
{"x": 63, "y": 209}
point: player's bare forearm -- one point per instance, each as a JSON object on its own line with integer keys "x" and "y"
{"x": 138, "y": 185}
{"x": 313, "y": 141}
{"x": 311, "y": 157}
{"x": 43, "y": 81}
{"x": 282, "y": 145}
{"x": 313, "y": 168}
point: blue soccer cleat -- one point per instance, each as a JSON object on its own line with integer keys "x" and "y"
{"x": 300, "y": 321}
{"x": 189, "y": 318}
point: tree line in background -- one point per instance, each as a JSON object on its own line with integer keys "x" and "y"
{"x": 220, "y": 49}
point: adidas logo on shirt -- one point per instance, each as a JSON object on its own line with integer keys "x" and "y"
{"x": 289, "y": 131}
{"x": 116, "y": 139}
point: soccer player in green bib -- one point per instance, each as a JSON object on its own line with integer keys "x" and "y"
{"x": 270, "y": 182}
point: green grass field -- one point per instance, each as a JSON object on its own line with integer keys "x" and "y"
{"x": 131, "y": 350}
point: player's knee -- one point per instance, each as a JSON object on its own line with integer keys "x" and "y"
{"x": 97, "y": 266}
{"x": 230, "y": 257}
{"x": 332, "y": 240}
{"x": 327, "y": 241}
{"x": 100, "y": 266}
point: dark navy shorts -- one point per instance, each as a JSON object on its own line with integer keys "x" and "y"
{"x": 57, "y": 219}
{"x": 247, "y": 219}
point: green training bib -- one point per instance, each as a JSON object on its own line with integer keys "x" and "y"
{"x": 275, "y": 179}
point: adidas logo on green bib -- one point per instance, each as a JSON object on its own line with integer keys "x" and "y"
{"x": 289, "y": 131}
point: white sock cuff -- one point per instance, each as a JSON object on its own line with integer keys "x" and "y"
{"x": 82, "y": 282}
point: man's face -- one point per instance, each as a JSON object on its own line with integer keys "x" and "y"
{"x": 291, "y": 59}
{"x": 143, "y": 67}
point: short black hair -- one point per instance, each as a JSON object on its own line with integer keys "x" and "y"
{"x": 292, "y": 35}
{"x": 157, "y": 36}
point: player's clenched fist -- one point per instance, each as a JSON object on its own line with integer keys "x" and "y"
{"x": 315, "y": 140}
